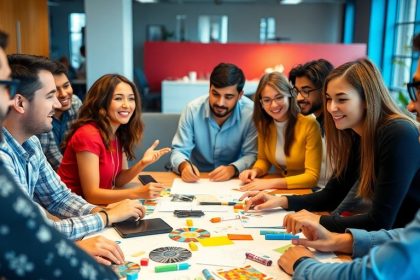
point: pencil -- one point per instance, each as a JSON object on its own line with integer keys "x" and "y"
{"x": 192, "y": 166}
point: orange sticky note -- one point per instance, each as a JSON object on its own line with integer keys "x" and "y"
{"x": 215, "y": 241}
{"x": 240, "y": 237}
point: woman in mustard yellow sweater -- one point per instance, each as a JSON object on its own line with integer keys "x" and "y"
{"x": 286, "y": 139}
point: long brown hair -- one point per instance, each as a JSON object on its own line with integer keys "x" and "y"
{"x": 263, "y": 120}
{"x": 365, "y": 78}
{"x": 95, "y": 107}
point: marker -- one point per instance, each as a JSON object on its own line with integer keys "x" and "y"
{"x": 281, "y": 236}
{"x": 229, "y": 203}
{"x": 207, "y": 274}
{"x": 219, "y": 219}
{"x": 257, "y": 259}
{"x": 264, "y": 232}
{"x": 192, "y": 167}
{"x": 172, "y": 267}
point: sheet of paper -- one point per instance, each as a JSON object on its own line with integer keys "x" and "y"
{"x": 228, "y": 258}
{"x": 205, "y": 186}
{"x": 166, "y": 205}
{"x": 264, "y": 219}
{"x": 215, "y": 241}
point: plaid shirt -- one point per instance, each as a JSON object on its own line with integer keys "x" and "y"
{"x": 49, "y": 144}
{"x": 29, "y": 168}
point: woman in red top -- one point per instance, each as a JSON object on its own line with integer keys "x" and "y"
{"x": 99, "y": 143}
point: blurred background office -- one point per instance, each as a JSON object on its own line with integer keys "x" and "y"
{"x": 156, "y": 41}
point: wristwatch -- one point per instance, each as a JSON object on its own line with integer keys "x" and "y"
{"x": 298, "y": 261}
{"x": 236, "y": 174}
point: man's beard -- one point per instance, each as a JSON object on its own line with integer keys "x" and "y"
{"x": 218, "y": 115}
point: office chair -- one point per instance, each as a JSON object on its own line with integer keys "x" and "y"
{"x": 151, "y": 101}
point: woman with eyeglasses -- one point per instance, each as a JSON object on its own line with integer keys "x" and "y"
{"x": 287, "y": 140}
{"x": 369, "y": 142}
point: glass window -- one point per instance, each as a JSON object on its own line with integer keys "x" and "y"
{"x": 77, "y": 38}
{"x": 403, "y": 57}
{"x": 267, "y": 29}
{"x": 212, "y": 29}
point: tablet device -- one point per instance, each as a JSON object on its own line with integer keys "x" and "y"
{"x": 131, "y": 228}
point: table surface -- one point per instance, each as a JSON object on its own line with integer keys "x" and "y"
{"x": 133, "y": 247}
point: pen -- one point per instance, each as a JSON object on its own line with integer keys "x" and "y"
{"x": 257, "y": 259}
{"x": 281, "y": 236}
{"x": 207, "y": 274}
{"x": 192, "y": 166}
{"x": 172, "y": 267}
{"x": 230, "y": 203}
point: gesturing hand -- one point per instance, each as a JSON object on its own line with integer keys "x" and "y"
{"x": 293, "y": 222}
{"x": 151, "y": 155}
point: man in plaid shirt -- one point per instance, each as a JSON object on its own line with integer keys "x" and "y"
{"x": 62, "y": 119}
{"x": 31, "y": 113}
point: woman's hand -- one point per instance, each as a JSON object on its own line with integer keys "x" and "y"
{"x": 293, "y": 222}
{"x": 248, "y": 175}
{"x": 261, "y": 184}
{"x": 151, "y": 190}
{"x": 262, "y": 200}
{"x": 151, "y": 155}
{"x": 288, "y": 259}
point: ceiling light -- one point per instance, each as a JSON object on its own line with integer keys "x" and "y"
{"x": 147, "y": 1}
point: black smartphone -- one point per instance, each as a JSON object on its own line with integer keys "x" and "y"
{"x": 146, "y": 179}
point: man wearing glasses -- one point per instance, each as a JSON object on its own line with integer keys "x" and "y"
{"x": 414, "y": 87}
{"x": 308, "y": 80}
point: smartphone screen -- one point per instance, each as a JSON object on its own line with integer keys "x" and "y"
{"x": 146, "y": 179}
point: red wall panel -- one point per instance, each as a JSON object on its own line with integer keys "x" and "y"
{"x": 173, "y": 60}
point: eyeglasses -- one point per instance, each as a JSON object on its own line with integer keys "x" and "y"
{"x": 11, "y": 86}
{"x": 305, "y": 92}
{"x": 279, "y": 99}
{"x": 413, "y": 88}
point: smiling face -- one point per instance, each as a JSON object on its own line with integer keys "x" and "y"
{"x": 38, "y": 116}
{"x": 345, "y": 105}
{"x": 311, "y": 104}
{"x": 122, "y": 105}
{"x": 275, "y": 104}
{"x": 64, "y": 93}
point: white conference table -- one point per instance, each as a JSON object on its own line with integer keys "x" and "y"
{"x": 132, "y": 246}
{"x": 176, "y": 94}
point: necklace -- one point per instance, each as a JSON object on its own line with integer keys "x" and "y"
{"x": 115, "y": 167}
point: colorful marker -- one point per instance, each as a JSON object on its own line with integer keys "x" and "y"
{"x": 207, "y": 274}
{"x": 281, "y": 236}
{"x": 257, "y": 259}
{"x": 228, "y": 203}
{"x": 172, "y": 267}
{"x": 264, "y": 232}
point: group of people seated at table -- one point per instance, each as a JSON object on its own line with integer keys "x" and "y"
{"x": 334, "y": 128}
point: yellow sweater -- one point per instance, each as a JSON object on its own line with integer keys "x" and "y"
{"x": 304, "y": 160}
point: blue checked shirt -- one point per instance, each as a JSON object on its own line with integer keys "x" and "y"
{"x": 31, "y": 171}
{"x": 51, "y": 141}
{"x": 200, "y": 139}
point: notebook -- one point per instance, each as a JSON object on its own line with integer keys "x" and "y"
{"x": 132, "y": 228}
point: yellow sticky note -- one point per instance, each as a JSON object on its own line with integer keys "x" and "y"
{"x": 193, "y": 246}
{"x": 215, "y": 241}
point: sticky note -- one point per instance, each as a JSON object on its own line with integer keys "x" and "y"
{"x": 283, "y": 249}
{"x": 215, "y": 241}
{"x": 240, "y": 237}
{"x": 137, "y": 254}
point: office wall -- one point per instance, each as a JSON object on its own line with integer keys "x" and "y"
{"x": 174, "y": 59}
{"x": 319, "y": 23}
